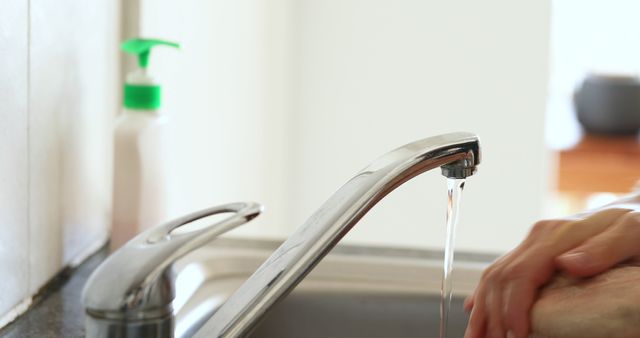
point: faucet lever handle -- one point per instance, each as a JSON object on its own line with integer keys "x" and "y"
{"x": 242, "y": 213}
{"x": 138, "y": 278}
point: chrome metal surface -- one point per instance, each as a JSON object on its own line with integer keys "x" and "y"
{"x": 131, "y": 293}
{"x": 457, "y": 153}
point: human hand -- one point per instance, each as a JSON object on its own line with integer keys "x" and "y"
{"x": 605, "y": 305}
{"x": 582, "y": 245}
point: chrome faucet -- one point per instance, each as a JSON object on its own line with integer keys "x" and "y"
{"x": 131, "y": 293}
{"x": 119, "y": 305}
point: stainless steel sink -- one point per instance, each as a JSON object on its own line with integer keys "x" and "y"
{"x": 354, "y": 292}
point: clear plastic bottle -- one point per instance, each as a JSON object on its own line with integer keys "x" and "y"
{"x": 140, "y": 167}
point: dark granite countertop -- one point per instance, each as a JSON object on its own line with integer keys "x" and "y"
{"x": 57, "y": 310}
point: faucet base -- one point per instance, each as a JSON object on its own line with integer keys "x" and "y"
{"x": 109, "y": 328}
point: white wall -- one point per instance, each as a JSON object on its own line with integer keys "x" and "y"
{"x": 58, "y": 96}
{"x": 372, "y": 75}
{"x": 283, "y": 101}
{"x": 14, "y": 230}
{"x": 224, "y": 93}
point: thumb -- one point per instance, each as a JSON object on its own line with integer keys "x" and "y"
{"x": 616, "y": 244}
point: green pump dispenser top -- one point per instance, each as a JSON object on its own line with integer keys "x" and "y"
{"x": 140, "y": 91}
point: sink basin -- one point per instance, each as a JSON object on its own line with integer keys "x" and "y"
{"x": 354, "y": 292}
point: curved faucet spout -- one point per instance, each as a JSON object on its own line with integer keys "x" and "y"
{"x": 457, "y": 154}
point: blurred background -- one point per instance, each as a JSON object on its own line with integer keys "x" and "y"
{"x": 283, "y": 101}
{"x": 288, "y": 100}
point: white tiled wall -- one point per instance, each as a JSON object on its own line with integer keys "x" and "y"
{"x": 14, "y": 230}
{"x": 73, "y": 83}
{"x": 58, "y": 96}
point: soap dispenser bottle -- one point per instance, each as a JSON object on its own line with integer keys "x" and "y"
{"x": 140, "y": 168}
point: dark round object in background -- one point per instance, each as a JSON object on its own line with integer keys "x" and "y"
{"x": 609, "y": 104}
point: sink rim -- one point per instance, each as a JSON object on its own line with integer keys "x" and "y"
{"x": 206, "y": 277}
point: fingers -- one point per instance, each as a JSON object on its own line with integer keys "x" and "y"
{"x": 494, "y": 306}
{"x": 468, "y": 303}
{"x": 571, "y": 234}
{"x": 521, "y": 279}
{"x": 507, "y": 290}
{"x": 479, "y": 305}
{"x": 518, "y": 299}
{"x": 476, "y": 328}
{"x": 614, "y": 245}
